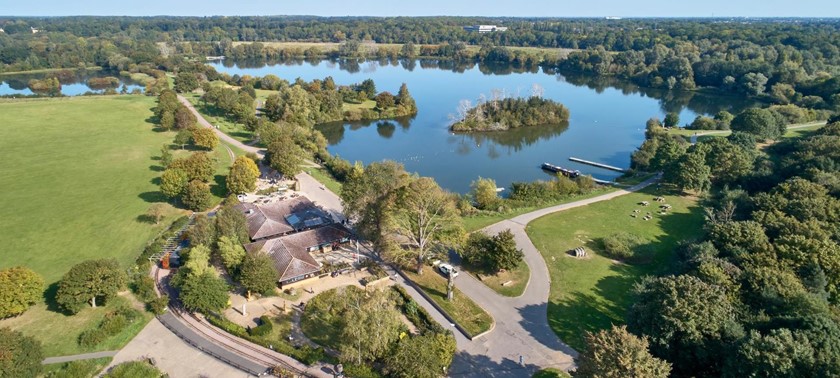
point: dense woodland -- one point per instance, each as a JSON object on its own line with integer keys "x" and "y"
{"x": 758, "y": 294}
{"x": 781, "y": 60}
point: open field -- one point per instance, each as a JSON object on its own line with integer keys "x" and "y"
{"x": 592, "y": 293}
{"x": 78, "y": 174}
{"x": 793, "y": 130}
{"x": 371, "y": 47}
{"x": 466, "y": 312}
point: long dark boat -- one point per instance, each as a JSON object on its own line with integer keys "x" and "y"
{"x": 572, "y": 173}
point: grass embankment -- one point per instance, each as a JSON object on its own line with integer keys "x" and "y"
{"x": 462, "y": 309}
{"x": 324, "y": 177}
{"x": 78, "y": 174}
{"x": 795, "y": 129}
{"x": 592, "y": 293}
{"x": 82, "y": 368}
{"x": 371, "y": 47}
{"x": 510, "y": 283}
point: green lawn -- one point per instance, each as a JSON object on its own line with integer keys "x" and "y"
{"x": 484, "y": 219}
{"x": 325, "y": 178}
{"x": 216, "y": 118}
{"x": 369, "y": 104}
{"x": 85, "y": 368}
{"x": 462, "y": 309}
{"x": 78, "y": 174}
{"x": 510, "y": 283}
{"x": 592, "y": 293}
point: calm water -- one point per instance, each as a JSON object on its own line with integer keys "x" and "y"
{"x": 19, "y": 84}
{"x": 606, "y": 124}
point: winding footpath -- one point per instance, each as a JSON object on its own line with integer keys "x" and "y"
{"x": 521, "y": 327}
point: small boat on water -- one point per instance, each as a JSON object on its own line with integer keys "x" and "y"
{"x": 558, "y": 169}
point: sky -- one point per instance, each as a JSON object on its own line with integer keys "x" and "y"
{"x": 512, "y": 8}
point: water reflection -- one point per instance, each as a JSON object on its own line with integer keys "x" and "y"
{"x": 505, "y": 142}
{"x": 334, "y": 131}
{"x": 73, "y": 82}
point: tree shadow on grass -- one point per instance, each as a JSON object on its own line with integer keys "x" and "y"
{"x": 156, "y": 168}
{"x": 155, "y": 181}
{"x": 49, "y": 298}
{"x": 146, "y": 219}
{"x": 219, "y": 186}
{"x": 152, "y": 197}
{"x": 469, "y": 365}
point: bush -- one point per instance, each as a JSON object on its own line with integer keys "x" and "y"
{"x": 158, "y": 305}
{"x": 360, "y": 371}
{"x": 144, "y": 288}
{"x": 114, "y": 324}
{"x": 621, "y": 245}
{"x": 263, "y": 329}
{"x": 416, "y": 314}
{"x": 92, "y": 337}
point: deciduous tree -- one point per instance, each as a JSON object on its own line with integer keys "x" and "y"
{"x": 231, "y": 253}
{"x": 197, "y": 196}
{"x": 258, "y": 274}
{"x": 422, "y": 356}
{"x": 19, "y": 288}
{"x": 173, "y": 182}
{"x": 88, "y": 282}
{"x": 616, "y": 353}
{"x": 484, "y": 193}
{"x": 205, "y": 138}
{"x": 243, "y": 176}
{"x": 20, "y": 355}
{"x": 426, "y": 216}
{"x": 206, "y": 293}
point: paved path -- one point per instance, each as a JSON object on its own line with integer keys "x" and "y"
{"x": 790, "y": 127}
{"x": 76, "y": 357}
{"x": 173, "y": 355}
{"x": 521, "y": 327}
{"x": 242, "y": 354}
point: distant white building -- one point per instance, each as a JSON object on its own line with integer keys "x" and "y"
{"x": 485, "y": 28}
{"x": 34, "y": 30}
{"x": 2, "y": 31}
{"x": 612, "y": 18}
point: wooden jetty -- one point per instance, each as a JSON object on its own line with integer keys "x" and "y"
{"x": 558, "y": 169}
{"x": 211, "y": 58}
{"x": 599, "y": 165}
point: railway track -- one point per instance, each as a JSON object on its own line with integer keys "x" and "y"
{"x": 255, "y": 353}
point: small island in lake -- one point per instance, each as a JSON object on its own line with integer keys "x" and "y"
{"x": 509, "y": 113}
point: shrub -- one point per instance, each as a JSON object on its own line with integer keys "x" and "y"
{"x": 92, "y": 337}
{"x": 144, "y": 287}
{"x": 360, "y": 371}
{"x": 263, "y": 329}
{"x": 114, "y": 324}
{"x": 621, "y": 245}
{"x": 158, "y": 305}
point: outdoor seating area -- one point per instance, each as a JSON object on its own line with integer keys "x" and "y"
{"x": 663, "y": 209}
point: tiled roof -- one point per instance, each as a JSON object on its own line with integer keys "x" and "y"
{"x": 273, "y": 219}
{"x": 291, "y": 252}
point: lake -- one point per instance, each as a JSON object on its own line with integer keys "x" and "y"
{"x": 606, "y": 125}
{"x": 70, "y": 86}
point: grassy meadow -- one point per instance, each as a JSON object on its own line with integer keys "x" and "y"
{"x": 77, "y": 176}
{"x": 591, "y": 293}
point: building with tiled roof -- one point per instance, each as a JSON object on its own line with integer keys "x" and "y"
{"x": 291, "y": 253}
{"x": 282, "y": 217}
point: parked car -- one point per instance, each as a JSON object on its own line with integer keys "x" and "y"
{"x": 447, "y": 269}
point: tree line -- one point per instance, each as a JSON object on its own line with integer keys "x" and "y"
{"x": 757, "y": 295}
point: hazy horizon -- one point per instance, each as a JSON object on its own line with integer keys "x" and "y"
{"x": 470, "y": 8}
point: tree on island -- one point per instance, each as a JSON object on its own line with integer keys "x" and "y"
{"x": 19, "y": 288}
{"x": 509, "y": 113}
{"x": 88, "y": 282}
